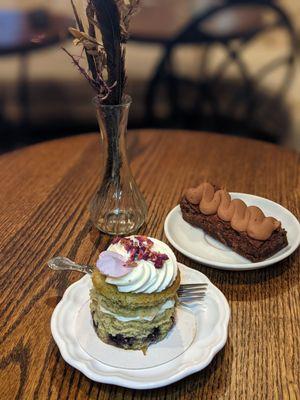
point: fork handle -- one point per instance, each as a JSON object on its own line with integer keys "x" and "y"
{"x": 65, "y": 264}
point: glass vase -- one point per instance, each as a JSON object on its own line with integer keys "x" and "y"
{"x": 118, "y": 207}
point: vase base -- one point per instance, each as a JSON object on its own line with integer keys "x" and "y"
{"x": 118, "y": 223}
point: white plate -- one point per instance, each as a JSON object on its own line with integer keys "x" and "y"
{"x": 177, "y": 342}
{"x": 197, "y": 245}
{"x": 194, "y": 347}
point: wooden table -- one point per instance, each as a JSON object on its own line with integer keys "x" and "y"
{"x": 44, "y": 194}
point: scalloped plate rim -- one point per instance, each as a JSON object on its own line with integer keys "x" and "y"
{"x": 118, "y": 377}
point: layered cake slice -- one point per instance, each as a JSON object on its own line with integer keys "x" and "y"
{"x": 244, "y": 229}
{"x": 133, "y": 297}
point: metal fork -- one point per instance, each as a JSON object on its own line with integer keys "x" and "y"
{"x": 187, "y": 292}
{"x": 65, "y": 264}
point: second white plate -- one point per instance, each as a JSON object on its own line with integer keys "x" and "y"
{"x": 197, "y": 245}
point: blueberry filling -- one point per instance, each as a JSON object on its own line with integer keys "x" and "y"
{"x": 121, "y": 340}
{"x": 94, "y": 322}
{"x": 153, "y": 335}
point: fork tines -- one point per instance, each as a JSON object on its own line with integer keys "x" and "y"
{"x": 197, "y": 287}
{"x": 192, "y": 285}
{"x": 190, "y": 299}
{"x": 190, "y": 292}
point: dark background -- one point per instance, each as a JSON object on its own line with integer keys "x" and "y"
{"x": 237, "y": 73}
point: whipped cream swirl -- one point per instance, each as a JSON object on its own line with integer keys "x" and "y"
{"x": 144, "y": 277}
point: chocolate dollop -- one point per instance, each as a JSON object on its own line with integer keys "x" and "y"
{"x": 242, "y": 218}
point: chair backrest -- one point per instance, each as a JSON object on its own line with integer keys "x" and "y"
{"x": 206, "y": 88}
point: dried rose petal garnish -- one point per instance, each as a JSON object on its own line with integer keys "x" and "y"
{"x": 113, "y": 264}
{"x": 141, "y": 250}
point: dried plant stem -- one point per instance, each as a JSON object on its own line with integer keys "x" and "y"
{"x": 105, "y": 55}
{"x": 108, "y": 19}
{"x": 91, "y": 64}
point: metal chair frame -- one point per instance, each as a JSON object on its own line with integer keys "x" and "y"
{"x": 234, "y": 44}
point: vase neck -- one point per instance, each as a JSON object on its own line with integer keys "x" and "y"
{"x": 112, "y": 120}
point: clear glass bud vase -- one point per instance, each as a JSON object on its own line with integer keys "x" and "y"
{"x": 118, "y": 207}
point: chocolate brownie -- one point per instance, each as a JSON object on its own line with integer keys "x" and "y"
{"x": 252, "y": 249}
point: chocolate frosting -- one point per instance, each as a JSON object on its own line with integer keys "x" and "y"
{"x": 242, "y": 218}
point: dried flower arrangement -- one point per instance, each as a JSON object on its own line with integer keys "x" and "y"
{"x": 103, "y": 41}
{"x": 118, "y": 206}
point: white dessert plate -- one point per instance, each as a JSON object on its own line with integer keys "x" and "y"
{"x": 197, "y": 245}
{"x": 199, "y": 333}
{"x": 178, "y": 341}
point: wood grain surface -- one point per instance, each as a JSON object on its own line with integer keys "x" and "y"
{"x": 45, "y": 190}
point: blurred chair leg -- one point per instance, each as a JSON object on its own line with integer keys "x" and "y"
{"x": 23, "y": 91}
